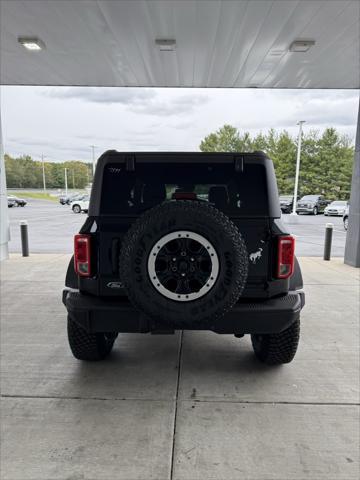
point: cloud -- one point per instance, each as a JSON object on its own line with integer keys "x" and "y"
{"x": 325, "y": 111}
{"x": 284, "y": 108}
{"x": 29, "y": 141}
{"x": 182, "y": 125}
{"x": 338, "y": 114}
{"x": 138, "y": 100}
{"x": 35, "y": 122}
{"x": 177, "y": 106}
{"x": 123, "y": 96}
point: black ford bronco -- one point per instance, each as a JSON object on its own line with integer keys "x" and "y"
{"x": 178, "y": 241}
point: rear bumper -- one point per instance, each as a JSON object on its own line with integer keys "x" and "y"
{"x": 304, "y": 209}
{"x": 102, "y": 315}
{"x": 334, "y": 214}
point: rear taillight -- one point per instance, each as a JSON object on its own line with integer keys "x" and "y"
{"x": 285, "y": 256}
{"x": 82, "y": 255}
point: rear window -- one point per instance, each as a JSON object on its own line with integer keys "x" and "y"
{"x": 310, "y": 197}
{"x": 133, "y": 192}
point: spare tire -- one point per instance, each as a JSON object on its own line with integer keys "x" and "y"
{"x": 183, "y": 263}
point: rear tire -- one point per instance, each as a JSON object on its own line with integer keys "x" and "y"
{"x": 88, "y": 346}
{"x": 315, "y": 211}
{"x": 277, "y": 348}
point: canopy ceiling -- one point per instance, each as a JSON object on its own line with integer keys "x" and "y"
{"x": 218, "y": 43}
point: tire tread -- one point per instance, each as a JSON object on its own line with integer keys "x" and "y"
{"x": 278, "y": 348}
{"x": 87, "y": 346}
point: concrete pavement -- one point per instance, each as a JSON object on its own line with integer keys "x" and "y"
{"x": 188, "y": 406}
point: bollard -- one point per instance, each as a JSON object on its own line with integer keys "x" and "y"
{"x": 24, "y": 238}
{"x": 328, "y": 240}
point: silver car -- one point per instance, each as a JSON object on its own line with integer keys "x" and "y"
{"x": 337, "y": 208}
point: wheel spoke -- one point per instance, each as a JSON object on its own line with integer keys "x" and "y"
{"x": 164, "y": 277}
{"x": 183, "y": 286}
{"x": 202, "y": 276}
{"x": 202, "y": 253}
{"x": 183, "y": 244}
{"x": 171, "y": 247}
{"x": 164, "y": 256}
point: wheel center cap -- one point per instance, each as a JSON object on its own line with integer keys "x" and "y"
{"x": 183, "y": 266}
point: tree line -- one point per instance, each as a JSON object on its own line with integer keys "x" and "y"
{"x": 24, "y": 172}
{"x": 326, "y": 159}
{"x": 326, "y": 162}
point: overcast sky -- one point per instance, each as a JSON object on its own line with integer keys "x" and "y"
{"x": 63, "y": 122}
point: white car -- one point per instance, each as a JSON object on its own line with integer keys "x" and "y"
{"x": 338, "y": 208}
{"x": 78, "y": 206}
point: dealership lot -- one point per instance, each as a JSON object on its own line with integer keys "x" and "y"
{"x": 52, "y": 227}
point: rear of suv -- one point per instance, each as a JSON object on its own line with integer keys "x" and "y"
{"x": 178, "y": 241}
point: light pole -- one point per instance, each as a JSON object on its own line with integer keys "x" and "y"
{"x": 66, "y": 185}
{"x": 300, "y": 123}
{"x": 93, "y": 158}
{"x": 43, "y": 172}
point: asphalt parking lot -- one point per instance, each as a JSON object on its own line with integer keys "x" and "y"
{"x": 52, "y": 227}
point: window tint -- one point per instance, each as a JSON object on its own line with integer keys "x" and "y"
{"x": 132, "y": 192}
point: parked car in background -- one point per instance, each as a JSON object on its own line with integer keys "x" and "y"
{"x": 67, "y": 199}
{"x": 338, "y": 208}
{"x": 286, "y": 203}
{"x": 346, "y": 218}
{"x": 64, "y": 199}
{"x": 312, "y": 204}
{"x": 11, "y": 202}
{"x": 82, "y": 205}
{"x": 18, "y": 202}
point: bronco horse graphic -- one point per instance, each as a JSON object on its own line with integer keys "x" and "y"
{"x": 253, "y": 257}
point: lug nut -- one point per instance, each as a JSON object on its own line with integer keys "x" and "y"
{"x": 183, "y": 274}
{"x": 183, "y": 254}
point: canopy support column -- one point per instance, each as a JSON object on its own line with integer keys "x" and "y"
{"x": 352, "y": 247}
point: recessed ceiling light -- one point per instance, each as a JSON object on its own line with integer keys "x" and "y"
{"x": 301, "y": 45}
{"x": 32, "y": 43}
{"x": 166, "y": 44}
{"x": 276, "y": 53}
